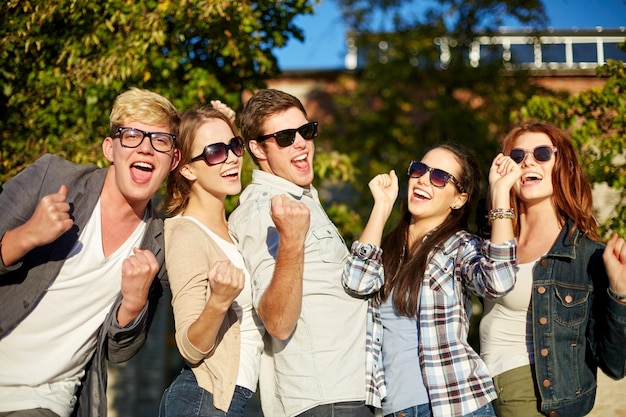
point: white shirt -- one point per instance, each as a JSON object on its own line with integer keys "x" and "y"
{"x": 505, "y": 338}
{"x": 65, "y": 323}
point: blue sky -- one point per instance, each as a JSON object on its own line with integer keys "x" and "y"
{"x": 324, "y": 33}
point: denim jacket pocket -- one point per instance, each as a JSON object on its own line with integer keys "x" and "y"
{"x": 571, "y": 305}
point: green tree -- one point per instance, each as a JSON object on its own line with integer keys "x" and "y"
{"x": 596, "y": 120}
{"x": 404, "y": 98}
{"x": 63, "y": 62}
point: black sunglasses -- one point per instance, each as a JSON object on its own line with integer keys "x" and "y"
{"x": 131, "y": 137}
{"x": 438, "y": 177}
{"x": 540, "y": 153}
{"x": 288, "y": 136}
{"x": 217, "y": 153}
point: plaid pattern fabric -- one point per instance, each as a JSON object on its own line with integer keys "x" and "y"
{"x": 456, "y": 379}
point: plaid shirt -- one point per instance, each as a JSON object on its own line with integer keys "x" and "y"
{"x": 456, "y": 379}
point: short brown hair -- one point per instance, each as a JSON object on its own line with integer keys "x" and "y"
{"x": 260, "y": 107}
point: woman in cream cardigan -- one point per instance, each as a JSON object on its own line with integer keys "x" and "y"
{"x": 217, "y": 332}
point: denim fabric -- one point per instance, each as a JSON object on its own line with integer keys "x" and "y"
{"x": 485, "y": 411}
{"x": 342, "y": 409}
{"x": 422, "y": 410}
{"x": 185, "y": 398}
{"x": 576, "y": 325}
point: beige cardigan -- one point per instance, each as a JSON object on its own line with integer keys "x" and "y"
{"x": 189, "y": 253}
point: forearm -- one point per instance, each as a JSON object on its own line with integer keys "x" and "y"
{"x": 15, "y": 244}
{"x": 130, "y": 309}
{"x": 373, "y": 232}
{"x": 501, "y": 229}
{"x": 281, "y": 303}
{"x": 203, "y": 332}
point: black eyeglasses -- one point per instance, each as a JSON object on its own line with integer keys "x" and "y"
{"x": 288, "y": 136}
{"x": 540, "y": 153}
{"x": 217, "y": 153}
{"x": 131, "y": 137}
{"x": 438, "y": 177}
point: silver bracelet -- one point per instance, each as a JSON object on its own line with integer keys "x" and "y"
{"x": 500, "y": 213}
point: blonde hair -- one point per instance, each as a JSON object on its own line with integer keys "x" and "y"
{"x": 145, "y": 106}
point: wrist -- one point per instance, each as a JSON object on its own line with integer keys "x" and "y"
{"x": 500, "y": 213}
{"x": 620, "y": 298}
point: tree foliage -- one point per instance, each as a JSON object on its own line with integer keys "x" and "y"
{"x": 596, "y": 121}
{"x": 63, "y": 63}
{"x": 404, "y": 97}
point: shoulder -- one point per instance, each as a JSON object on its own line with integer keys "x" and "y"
{"x": 186, "y": 228}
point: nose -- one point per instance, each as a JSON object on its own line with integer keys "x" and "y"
{"x": 528, "y": 158}
{"x": 299, "y": 141}
{"x": 146, "y": 145}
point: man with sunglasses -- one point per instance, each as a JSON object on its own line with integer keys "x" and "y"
{"x": 82, "y": 263}
{"x": 314, "y": 361}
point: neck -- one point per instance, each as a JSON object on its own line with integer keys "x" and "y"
{"x": 210, "y": 211}
{"x": 418, "y": 229}
{"x": 116, "y": 205}
{"x": 539, "y": 228}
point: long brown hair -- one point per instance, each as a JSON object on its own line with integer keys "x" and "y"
{"x": 571, "y": 189}
{"x": 178, "y": 187}
{"x": 405, "y": 267}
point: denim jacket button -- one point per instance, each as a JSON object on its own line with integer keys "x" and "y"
{"x": 543, "y": 320}
{"x": 552, "y": 414}
{"x": 546, "y": 383}
{"x": 541, "y": 290}
{"x": 544, "y": 262}
{"x": 544, "y": 352}
{"x": 568, "y": 299}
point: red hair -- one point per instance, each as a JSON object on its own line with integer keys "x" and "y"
{"x": 571, "y": 189}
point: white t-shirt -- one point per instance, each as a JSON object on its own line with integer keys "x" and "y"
{"x": 43, "y": 359}
{"x": 505, "y": 335}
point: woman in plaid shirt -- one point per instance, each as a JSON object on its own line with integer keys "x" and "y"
{"x": 419, "y": 360}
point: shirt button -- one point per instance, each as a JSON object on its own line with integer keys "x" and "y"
{"x": 568, "y": 299}
{"x": 541, "y": 290}
{"x": 543, "y": 320}
{"x": 544, "y": 352}
{"x": 546, "y": 383}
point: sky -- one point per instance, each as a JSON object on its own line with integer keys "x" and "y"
{"x": 324, "y": 45}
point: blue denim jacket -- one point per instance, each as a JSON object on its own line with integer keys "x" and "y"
{"x": 577, "y": 326}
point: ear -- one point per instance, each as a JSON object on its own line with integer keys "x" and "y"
{"x": 107, "y": 148}
{"x": 459, "y": 201}
{"x": 257, "y": 150}
{"x": 175, "y": 159}
{"x": 187, "y": 172}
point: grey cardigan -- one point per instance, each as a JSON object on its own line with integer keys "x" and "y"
{"x": 23, "y": 285}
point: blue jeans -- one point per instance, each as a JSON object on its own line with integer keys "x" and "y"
{"x": 185, "y": 398}
{"x": 342, "y": 409}
{"x": 423, "y": 410}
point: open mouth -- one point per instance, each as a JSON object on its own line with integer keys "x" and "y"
{"x": 421, "y": 195}
{"x": 231, "y": 173}
{"x": 300, "y": 161}
{"x": 143, "y": 166}
{"x": 531, "y": 177}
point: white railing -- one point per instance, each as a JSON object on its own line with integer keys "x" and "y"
{"x": 564, "y": 49}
